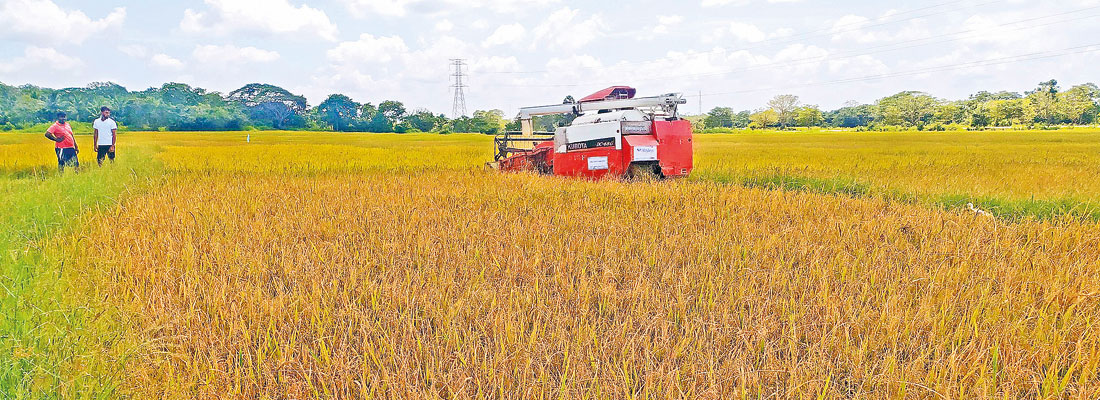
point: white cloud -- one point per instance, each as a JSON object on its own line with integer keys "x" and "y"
{"x": 368, "y": 49}
{"x": 575, "y": 64}
{"x": 665, "y": 22}
{"x": 494, "y": 64}
{"x": 564, "y": 31}
{"x": 746, "y": 32}
{"x": 232, "y": 55}
{"x": 165, "y": 61}
{"x": 43, "y": 21}
{"x": 348, "y": 81}
{"x": 856, "y": 29}
{"x": 991, "y": 30}
{"x": 801, "y": 59}
{"x": 374, "y": 68}
{"x": 713, "y": 3}
{"x": 134, "y": 50}
{"x": 401, "y": 8}
{"x": 850, "y": 29}
{"x": 432, "y": 59}
{"x": 35, "y": 57}
{"x": 264, "y": 16}
{"x": 444, "y": 26}
{"x": 864, "y": 65}
{"x": 396, "y": 8}
{"x": 506, "y": 34}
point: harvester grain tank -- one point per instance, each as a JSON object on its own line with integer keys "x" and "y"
{"x": 614, "y": 134}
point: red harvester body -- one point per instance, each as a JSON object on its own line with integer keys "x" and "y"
{"x": 613, "y": 135}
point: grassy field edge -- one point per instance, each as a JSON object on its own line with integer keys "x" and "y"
{"x": 56, "y": 344}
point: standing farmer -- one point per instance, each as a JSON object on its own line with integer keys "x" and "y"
{"x": 61, "y": 133}
{"x": 105, "y": 131}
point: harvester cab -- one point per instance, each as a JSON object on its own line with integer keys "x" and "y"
{"x": 614, "y": 134}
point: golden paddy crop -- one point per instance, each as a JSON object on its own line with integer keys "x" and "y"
{"x": 1011, "y": 165}
{"x": 399, "y": 268}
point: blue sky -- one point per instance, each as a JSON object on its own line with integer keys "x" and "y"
{"x": 737, "y": 53}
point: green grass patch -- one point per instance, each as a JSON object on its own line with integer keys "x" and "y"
{"x": 53, "y": 342}
{"x": 1016, "y": 209}
{"x": 1006, "y": 208}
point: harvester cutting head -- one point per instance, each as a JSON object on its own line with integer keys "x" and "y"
{"x": 613, "y": 134}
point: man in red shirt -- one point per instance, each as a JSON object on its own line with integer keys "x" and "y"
{"x": 61, "y": 133}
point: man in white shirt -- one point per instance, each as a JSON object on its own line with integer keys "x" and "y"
{"x": 105, "y": 130}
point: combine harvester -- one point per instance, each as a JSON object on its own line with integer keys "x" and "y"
{"x": 614, "y": 135}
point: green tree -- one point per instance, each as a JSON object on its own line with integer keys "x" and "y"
{"x": 269, "y": 103}
{"x": 912, "y": 109}
{"x": 852, "y": 115}
{"x": 742, "y": 119}
{"x": 719, "y": 117}
{"x": 339, "y": 111}
{"x": 489, "y": 121}
{"x": 952, "y": 112}
{"x": 425, "y": 121}
{"x": 1078, "y": 104}
{"x": 1044, "y": 100}
{"x": 764, "y": 119}
{"x": 378, "y": 123}
{"x": 1007, "y": 112}
{"x": 809, "y": 116}
{"x": 394, "y": 110}
{"x": 785, "y": 106}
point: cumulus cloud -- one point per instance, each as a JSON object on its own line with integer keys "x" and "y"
{"x": 714, "y": 3}
{"x": 381, "y": 7}
{"x": 494, "y": 64}
{"x": 506, "y": 34}
{"x": 373, "y": 68}
{"x": 166, "y": 62}
{"x": 993, "y": 31}
{"x": 26, "y": 18}
{"x": 746, "y": 32}
{"x": 573, "y": 63}
{"x": 564, "y": 30}
{"x": 368, "y": 49}
{"x": 852, "y": 29}
{"x": 864, "y": 65}
{"x": 232, "y": 55}
{"x": 134, "y": 50}
{"x": 444, "y": 26}
{"x": 265, "y": 16}
{"x": 35, "y": 57}
{"x": 401, "y": 8}
{"x": 666, "y": 22}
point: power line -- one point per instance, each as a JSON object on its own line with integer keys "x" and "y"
{"x": 459, "y": 109}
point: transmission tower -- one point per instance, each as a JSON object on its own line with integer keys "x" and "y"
{"x": 459, "y": 87}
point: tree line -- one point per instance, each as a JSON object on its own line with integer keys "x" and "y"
{"x": 1045, "y": 106}
{"x": 181, "y": 107}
